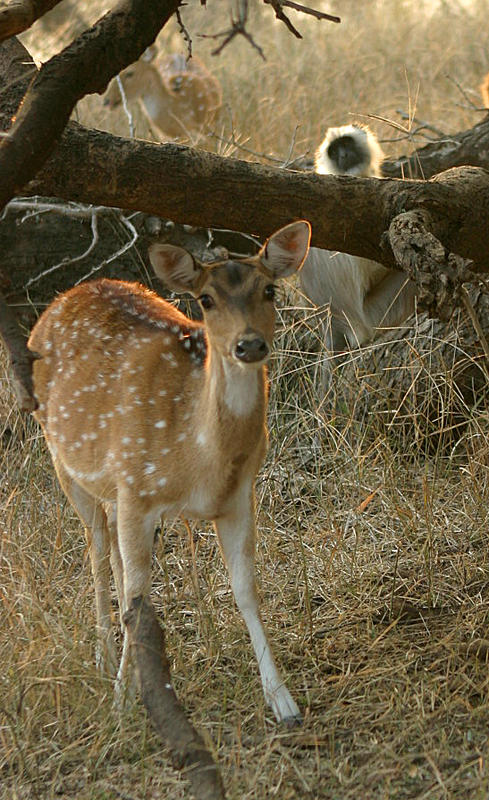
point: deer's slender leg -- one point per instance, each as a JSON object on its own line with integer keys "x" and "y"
{"x": 135, "y": 529}
{"x": 236, "y": 532}
{"x": 92, "y": 514}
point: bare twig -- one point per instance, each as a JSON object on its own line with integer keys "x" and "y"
{"x": 34, "y": 207}
{"x": 238, "y": 28}
{"x": 68, "y": 261}
{"x": 231, "y": 142}
{"x": 127, "y": 246}
{"x": 278, "y": 6}
{"x": 288, "y": 158}
{"x": 125, "y": 106}
{"x": 464, "y": 93}
{"x": 185, "y": 34}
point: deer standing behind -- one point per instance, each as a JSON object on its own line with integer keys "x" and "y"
{"x": 149, "y": 413}
{"x": 362, "y": 297}
{"x": 179, "y": 97}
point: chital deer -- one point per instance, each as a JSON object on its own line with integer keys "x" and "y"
{"x": 150, "y": 413}
{"x": 363, "y": 296}
{"x": 179, "y": 97}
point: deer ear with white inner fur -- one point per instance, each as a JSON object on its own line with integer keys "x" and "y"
{"x": 284, "y": 252}
{"x": 176, "y": 268}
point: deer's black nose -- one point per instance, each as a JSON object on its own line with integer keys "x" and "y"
{"x": 251, "y": 350}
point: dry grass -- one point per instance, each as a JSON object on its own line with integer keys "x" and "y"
{"x": 372, "y": 556}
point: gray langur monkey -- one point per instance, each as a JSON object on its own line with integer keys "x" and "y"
{"x": 363, "y": 296}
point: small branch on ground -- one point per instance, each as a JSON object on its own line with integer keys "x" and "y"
{"x": 187, "y": 749}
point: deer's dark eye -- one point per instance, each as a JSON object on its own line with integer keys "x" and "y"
{"x": 269, "y": 292}
{"x": 206, "y": 301}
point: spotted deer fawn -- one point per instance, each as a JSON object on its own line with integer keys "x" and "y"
{"x": 180, "y": 98}
{"x": 147, "y": 414}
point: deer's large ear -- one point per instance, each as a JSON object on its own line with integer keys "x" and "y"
{"x": 176, "y": 268}
{"x": 284, "y": 252}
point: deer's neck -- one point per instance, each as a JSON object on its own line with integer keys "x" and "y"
{"x": 233, "y": 400}
{"x": 233, "y": 389}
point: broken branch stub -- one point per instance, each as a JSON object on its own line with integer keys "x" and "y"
{"x": 438, "y": 274}
{"x": 187, "y": 749}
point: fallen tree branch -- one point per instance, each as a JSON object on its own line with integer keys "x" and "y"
{"x": 187, "y": 750}
{"x": 347, "y": 214}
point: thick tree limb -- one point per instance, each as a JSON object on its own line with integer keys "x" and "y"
{"x": 199, "y": 188}
{"x": 18, "y": 15}
{"x": 187, "y": 750}
{"x": 349, "y": 214}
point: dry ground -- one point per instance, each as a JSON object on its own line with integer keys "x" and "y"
{"x": 372, "y": 557}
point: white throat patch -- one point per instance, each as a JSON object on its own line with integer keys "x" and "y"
{"x": 241, "y": 391}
